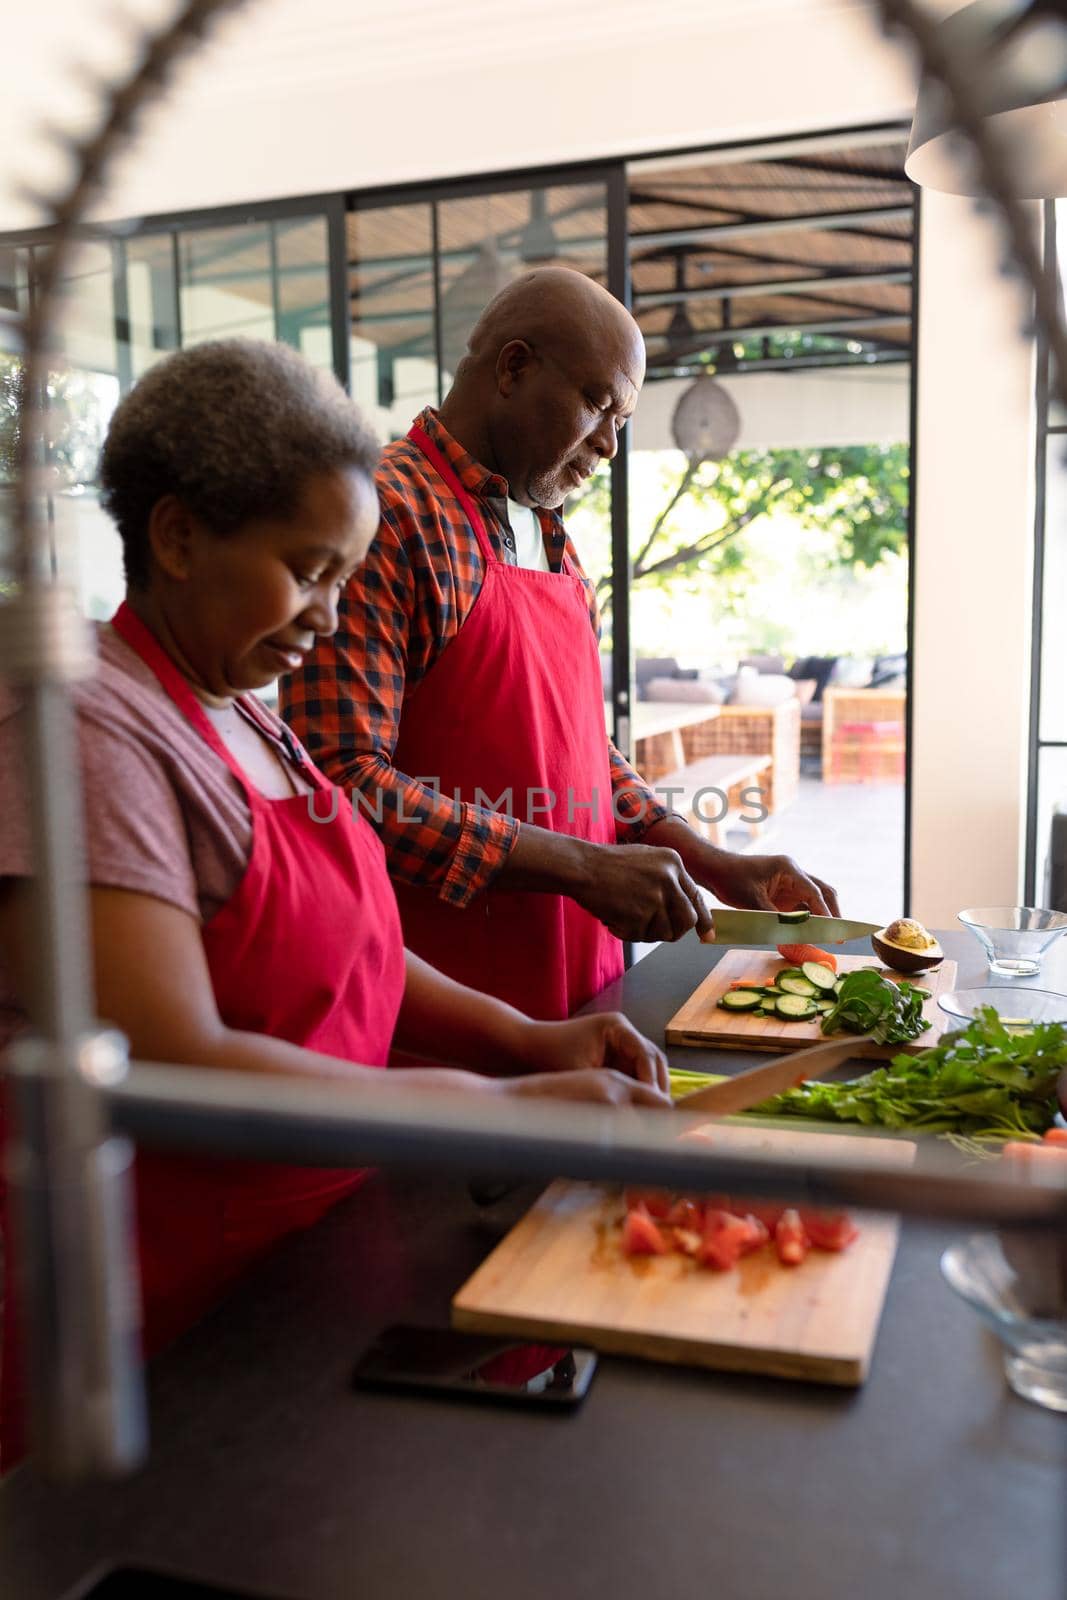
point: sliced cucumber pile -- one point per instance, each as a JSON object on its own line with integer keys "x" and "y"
{"x": 798, "y": 994}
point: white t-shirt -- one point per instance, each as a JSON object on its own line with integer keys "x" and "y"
{"x": 529, "y": 543}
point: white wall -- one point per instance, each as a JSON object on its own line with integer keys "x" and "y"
{"x": 975, "y": 468}
{"x": 793, "y": 410}
{"x": 299, "y": 96}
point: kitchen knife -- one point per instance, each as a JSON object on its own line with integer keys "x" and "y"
{"x": 759, "y": 1083}
{"x": 774, "y": 928}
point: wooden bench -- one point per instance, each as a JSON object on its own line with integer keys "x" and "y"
{"x": 731, "y": 777}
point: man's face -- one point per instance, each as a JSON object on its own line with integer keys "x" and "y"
{"x": 565, "y": 408}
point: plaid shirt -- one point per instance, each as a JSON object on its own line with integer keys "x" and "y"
{"x": 398, "y": 613}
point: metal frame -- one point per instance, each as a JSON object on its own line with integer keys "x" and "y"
{"x": 913, "y": 451}
{"x": 1045, "y": 435}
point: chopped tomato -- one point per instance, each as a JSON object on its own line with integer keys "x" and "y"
{"x": 728, "y": 1237}
{"x": 767, "y": 1212}
{"x": 790, "y": 1239}
{"x": 758, "y": 1233}
{"x": 748, "y": 983}
{"x": 640, "y": 1236}
{"x": 1056, "y": 1136}
{"x": 829, "y": 1230}
{"x": 797, "y": 954}
{"x": 686, "y": 1213}
{"x": 720, "y": 1250}
{"x": 717, "y": 1219}
{"x": 657, "y": 1202}
{"x": 687, "y": 1241}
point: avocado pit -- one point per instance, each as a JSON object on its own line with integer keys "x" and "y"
{"x": 905, "y": 946}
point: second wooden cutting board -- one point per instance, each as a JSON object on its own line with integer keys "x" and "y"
{"x": 704, "y": 1023}
{"x": 561, "y": 1274}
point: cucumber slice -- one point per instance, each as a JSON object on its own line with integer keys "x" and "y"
{"x": 796, "y": 1007}
{"x": 791, "y": 918}
{"x": 818, "y": 973}
{"x": 838, "y": 983}
{"x": 788, "y": 972}
{"x": 741, "y": 1000}
{"x": 822, "y": 1006}
{"x": 798, "y": 986}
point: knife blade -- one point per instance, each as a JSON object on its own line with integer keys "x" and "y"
{"x": 774, "y": 1077}
{"x": 769, "y": 928}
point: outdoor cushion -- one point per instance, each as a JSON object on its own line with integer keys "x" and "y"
{"x": 761, "y": 688}
{"x": 684, "y": 689}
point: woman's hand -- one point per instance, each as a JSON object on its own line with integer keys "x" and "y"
{"x": 606, "y": 1042}
{"x": 598, "y": 1086}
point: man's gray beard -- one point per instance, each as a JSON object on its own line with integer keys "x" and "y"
{"x": 547, "y": 493}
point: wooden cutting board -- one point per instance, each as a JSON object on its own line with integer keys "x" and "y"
{"x": 560, "y": 1275}
{"x": 702, "y": 1021}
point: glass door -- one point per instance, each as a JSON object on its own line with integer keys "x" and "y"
{"x": 423, "y": 267}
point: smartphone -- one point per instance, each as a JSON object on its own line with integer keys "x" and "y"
{"x": 477, "y": 1366}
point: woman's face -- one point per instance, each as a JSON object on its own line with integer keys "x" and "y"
{"x": 253, "y": 602}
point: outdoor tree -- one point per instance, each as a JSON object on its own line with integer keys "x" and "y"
{"x": 858, "y": 495}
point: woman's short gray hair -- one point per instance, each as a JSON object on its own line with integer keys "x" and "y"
{"x": 234, "y": 428}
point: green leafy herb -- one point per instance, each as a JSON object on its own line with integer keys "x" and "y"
{"x": 868, "y": 1003}
{"x": 984, "y": 1082}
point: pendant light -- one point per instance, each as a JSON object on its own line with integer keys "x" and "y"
{"x": 1016, "y": 53}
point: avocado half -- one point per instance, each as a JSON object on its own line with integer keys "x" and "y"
{"x": 907, "y": 947}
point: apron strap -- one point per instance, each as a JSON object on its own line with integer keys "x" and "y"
{"x": 420, "y": 437}
{"x": 129, "y": 627}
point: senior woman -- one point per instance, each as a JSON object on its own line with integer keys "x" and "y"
{"x": 240, "y": 917}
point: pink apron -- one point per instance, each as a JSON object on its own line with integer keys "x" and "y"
{"x": 307, "y": 949}
{"x": 511, "y": 713}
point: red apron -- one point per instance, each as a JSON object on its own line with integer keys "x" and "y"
{"x": 308, "y": 949}
{"x": 514, "y": 707}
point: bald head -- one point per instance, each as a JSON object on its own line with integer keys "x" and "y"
{"x": 556, "y": 307}
{"x": 553, "y": 369}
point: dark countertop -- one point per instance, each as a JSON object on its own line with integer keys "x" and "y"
{"x": 269, "y": 1474}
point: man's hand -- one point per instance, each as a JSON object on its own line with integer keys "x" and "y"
{"x": 640, "y": 892}
{"x": 769, "y": 883}
{"x": 606, "y": 1041}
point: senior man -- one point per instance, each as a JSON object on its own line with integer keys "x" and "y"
{"x": 461, "y": 699}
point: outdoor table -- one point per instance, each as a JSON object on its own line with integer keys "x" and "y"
{"x": 270, "y": 1475}
{"x": 656, "y": 719}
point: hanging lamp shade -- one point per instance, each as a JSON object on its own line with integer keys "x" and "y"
{"x": 1015, "y": 56}
{"x": 706, "y": 423}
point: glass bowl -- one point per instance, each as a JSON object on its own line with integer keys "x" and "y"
{"x": 1014, "y": 938}
{"x": 1022, "y": 1006}
{"x": 1017, "y": 1282}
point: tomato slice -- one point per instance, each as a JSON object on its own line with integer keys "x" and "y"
{"x": 640, "y": 1236}
{"x": 829, "y": 1230}
{"x": 1056, "y": 1136}
{"x": 767, "y": 1212}
{"x": 686, "y": 1213}
{"x": 657, "y": 1202}
{"x": 758, "y": 1233}
{"x": 720, "y": 1250}
{"x": 790, "y": 1239}
{"x": 687, "y": 1241}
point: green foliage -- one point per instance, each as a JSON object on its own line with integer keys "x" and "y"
{"x": 10, "y": 398}
{"x": 78, "y": 409}
{"x": 856, "y": 495}
{"x": 985, "y": 1082}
